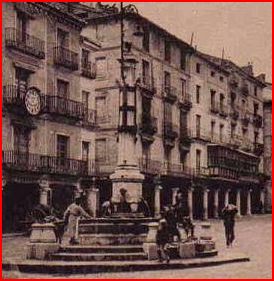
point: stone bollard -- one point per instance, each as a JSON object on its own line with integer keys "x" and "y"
{"x": 149, "y": 245}
{"x": 205, "y": 236}
{"x": 42, "y": 241}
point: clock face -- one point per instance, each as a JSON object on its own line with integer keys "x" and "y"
{"x": 33, "y": 101}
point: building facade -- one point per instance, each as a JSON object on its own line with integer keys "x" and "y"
{"x": 196, "y": 119}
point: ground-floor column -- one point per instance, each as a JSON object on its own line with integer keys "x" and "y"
{"x": 227, "y": 196}
{"x": 216, "y": 203}
{"x": 45, "y": 193}
{"x": 262, "y": 200}
{"x": 190, "y": 202}
{"x": 248, "y": 202}
{"x": 174, "y": 194}
{"x": 205, "y": 203}
{"x": 157, "y": 201}
{"x": 238, "y": 201}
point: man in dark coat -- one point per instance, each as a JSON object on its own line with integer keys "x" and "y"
{"x": 170, "y": 217}
{"x": 228, "y": 213}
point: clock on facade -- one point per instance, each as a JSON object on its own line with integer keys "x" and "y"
{"x": 33, "y": 101}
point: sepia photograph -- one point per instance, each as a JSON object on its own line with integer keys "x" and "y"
{"x": 136, "y": 140}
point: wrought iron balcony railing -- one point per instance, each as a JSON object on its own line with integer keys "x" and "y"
{"x": 245, "y": 117}
{"x": 170, "y": 94}
{"x": 257, "y": 120}
{"x": 178, "y": 170}
{"x": 88, "y": 69}
{"x": 148, "y": 124}
{"x": 89, "y": 118}
{"x": 38, "y": 163}
{"x": 66, "y": 58}
{"x": 185, "y": 101}
{"x": 24, "y": 43}
{"x": 234, "y": 112}
{"x": 147, "y": 84}
{"x": 258, "y": 149}
{"x": 170, "y": 130}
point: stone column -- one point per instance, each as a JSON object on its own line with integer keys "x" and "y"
{"x": 216, "y": 203}
{"x": 262, "y": 199}
{"x": 248, "y": 203}
{"x": 238, "y": 201}
{"x": 190, "y": 202}
{"x": 227, "y": 196}
{"x": 174, "y": 193}
{"x": 45, "y": 193}
{"x": 205, "y": 203}
{"x": 93, "y": 203}
{"x": 157, "y": 201}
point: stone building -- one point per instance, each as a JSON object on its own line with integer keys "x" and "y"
{"x": 267, "y": 97}
{"x": 47, "y": 126}
{"x": 196, "y": 120}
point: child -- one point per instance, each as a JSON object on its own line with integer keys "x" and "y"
{"x": 162, "y": 240}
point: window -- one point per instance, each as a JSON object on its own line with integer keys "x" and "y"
{"x": 21, "y": 139}
{"x": 244, "y": 131}
{"x": 256, "y": 137}
{"x": 100, "y": 150}
{"x": 198, "y": 160}
{"x": 85, "y": 58}
{"x": 243, "y": 105}
{"x": 146, "y": 152}
{"x": 183, "y": 88}
{"x": 233, "y": 99}
{"x": 221, "y": 132}
{"x": 85, "y": 151}
{"x": 145, "y": 73}
{"x": 183, "y": 60}
{"x": 62, "y": 38}
{"x": 198, "y": 68}
{"x": 146, "y": 39}
{"x": 212, "y": 98}
{"x": 101, "y": 67}
{"x": 221, "y": 78}
{"x": 62, "y": 89}
{"x": 21, "y": 26}
{"x": 168, "y": 112}
{"x": 198, "y": 126}
{"x": 85, "y": 99}
{"x": 62, "y": 147}
{"x": 167, "y": 51}
{"x": 222, "y": 98}
{"x": 212, "y": 73}
{"x": 256, "y": 108}
{"x": 198, "y": 89}
{"x": 183, "y": 123}
{"x": 167, "y": 81}
{"x": 233, "y": 131}
{"x": 255, "y": 91}
{"x": 101, "y": 109}
{"x": 22, "y": 80}
{"x": 212, "y": 132}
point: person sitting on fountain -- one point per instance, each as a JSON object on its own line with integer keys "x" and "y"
{"x": 107, "y": 208}
{"x": 143, "y": 207}
{"x": 124, "y": 206}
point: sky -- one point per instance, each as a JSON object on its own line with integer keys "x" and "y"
{"x": 244, "y": 30}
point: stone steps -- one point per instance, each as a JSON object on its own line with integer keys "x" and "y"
{"x": 112, "y": 239}
{"x": 206, "y": 254}
{"x": 103, "y": 249}
{"x": 99, "y": 256}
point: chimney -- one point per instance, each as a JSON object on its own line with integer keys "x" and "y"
{"x": 248, "y": 69}
{"x": 261, "y": 77}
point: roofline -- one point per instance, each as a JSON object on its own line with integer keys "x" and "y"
{"x": 147, "y": 21}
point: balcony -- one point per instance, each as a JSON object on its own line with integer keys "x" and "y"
{"x": 89, "y": 118}
{"x": 147, "y": 86}
{"x": 24, "y": 43}
{"x": 184, "y": 140}
{"x": 88, "y": 69}
{"x": 64, "y": 107}
{"x": 245, "y": 118}
{"x": 13, "y": 96}
{"x": 246, "y": 146}
{"x": 223, "y": 110}
{"x": 258, "y": 149}
{"x": 185, "y": 102}
{"x": 147, "y": 127}
{"x": 149, "y": 166}
{"x": 234, "y": 112}
{"x": 66, "y": 58}
{"x": 257, "y": 120}
{"x": 176, "y": 170}
{"x": 44, "y": 164}
{"x": 169, "y": 134}
{"x": 170, "y": 94}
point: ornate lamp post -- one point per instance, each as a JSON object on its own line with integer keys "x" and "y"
{"x": 127, "y": 174}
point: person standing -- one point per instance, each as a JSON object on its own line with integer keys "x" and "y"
{"x": 162, "y": 241}
{"x": 228, "y": 213}
{"x": 71, "y": 216}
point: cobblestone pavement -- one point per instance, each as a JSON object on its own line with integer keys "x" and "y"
{"x": 253, "y": 237}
